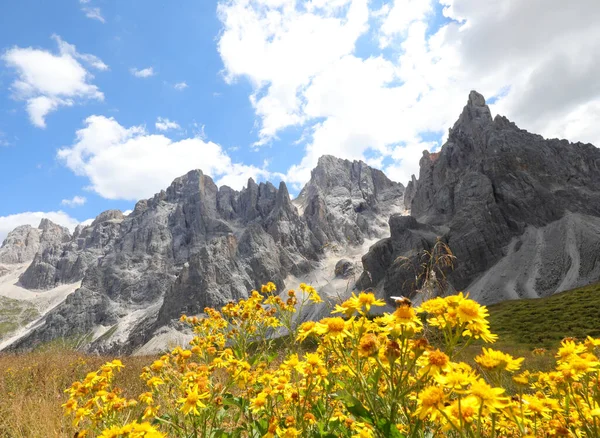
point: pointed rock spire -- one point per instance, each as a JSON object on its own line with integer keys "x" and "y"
{"x": 474, "y": 115}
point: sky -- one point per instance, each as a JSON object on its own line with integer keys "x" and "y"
{"x": 105, "y": 102}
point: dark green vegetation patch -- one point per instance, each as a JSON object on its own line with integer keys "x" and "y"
{"x": 544, "y": 322}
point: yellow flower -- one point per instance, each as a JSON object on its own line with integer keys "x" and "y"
{"x": 465, "y": 411}
{"x": 347, "y": 308}
{"x": 435, "y": 306}
{"x": 493, "y": 360}
{"x": 569, "y": 348}
{"x": 488, "y": 396}
{"x": 155, "y": 381}
{"x": 404, "y": 320}
{"x": 258, "y": 403}
{"x": 70, "y": 406}
{"x": 356, "y": 304}
{"x": 80, "y": 414}
{"x": 522, "y": 378}
{"x": 367, "y": 299}
{"x": 362, "y": 430}
{"x": 433, "y": 361}
{"x": 338, "y": 416}
{"x": 112, "y": 432}
{"x": 456, "y": 376}
{"x": 305, "y": 330}
{"x": 157, "y": 365}
{"x": 368, "y": 345}
{"x": 469, "y": 310}
{"x": 429, "y": 402}
{"x": 268, "y": 288}
{"x": 288, "y": 432}
{"x": 332, "y": 328}
{"x": 192, "y": 401}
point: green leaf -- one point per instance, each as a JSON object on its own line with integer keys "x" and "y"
{"x": 388, "y": 429}
{"x": 356, "y": 408}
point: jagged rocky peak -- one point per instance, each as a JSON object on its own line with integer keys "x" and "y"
{"x": 24, "y": 242}
{"x": 108, "y": 215}
{"x": 20, "y": 245}
{"x": 475, "y": 114}
{"x": 62, "y": 258}
{"x": 334, "y": 175}
{"x": 490, "y": 183}
{"x": 347, "y": 201}
{"x": 195, "y": 244}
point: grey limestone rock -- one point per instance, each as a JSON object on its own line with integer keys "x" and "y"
{"x": 344, "y": 201}
{"x": 491, "y": 181}
{"x": 20, "y": 245}
{"x": 195, "y": 245}
{"x": 64, "y": 259}
{"x": 390, "y": 262}
{"x": 344, "y": 268}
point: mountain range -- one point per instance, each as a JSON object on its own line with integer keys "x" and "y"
{"x": 521, "y": 214}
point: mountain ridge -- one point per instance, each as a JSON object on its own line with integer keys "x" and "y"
{"x": 195, "y": 245}
{"x": 520, "y": 212}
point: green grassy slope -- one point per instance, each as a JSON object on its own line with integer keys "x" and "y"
{"x": 15, "y": 314}
{"x": 544, "y": 322}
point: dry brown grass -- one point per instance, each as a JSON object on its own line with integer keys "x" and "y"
{"x": 32, "y": 389}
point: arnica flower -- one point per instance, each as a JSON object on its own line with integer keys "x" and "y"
{"x": 305, "y": 330}
{"x": 569, "y": 348}
{"x": 268, "y": 288}
{"x": 522, "y": 378}
{"x": 497, "y": 360}
{"x": 361, "y": 304}
{"x": 464, "y": 411}
{"x": 70, "y": 406}
{"x": 368, "y": 345}
{"x": 192, "y": 401}
{"x": 367, "y": 299}
{"x": 436, "y": 306}
{"x": 403, "y": 321}
{"x": 332, "y": 328}
{"x": 430, "y": 402}
{"x": 288, "y": 432}
{"x": 457, "y": 376}
{"x": 469, "y": 310}
{"x": 433, "y": 362}
{"x": 490, "y": 398}
{"x": 258, "y": 403}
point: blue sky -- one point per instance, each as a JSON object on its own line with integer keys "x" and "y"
{"x": 183, "y": 50}
{"x": 262, "y": 88}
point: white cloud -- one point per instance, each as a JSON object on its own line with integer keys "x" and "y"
{"x": 180, "y": 86}
{"x": 280, "y": 47}
{"x": 47, "y": 81}
{"x": 94, "y": 14}
{"x": 87, "y": 222}
{"x": 129, "y": 163}
{"x": 163, "y": 124}
{"x": 144, "y": 73}
{"x": 76, "y": 201}
{"x": 300, "y": 58}
{"x": 10, "y": 222}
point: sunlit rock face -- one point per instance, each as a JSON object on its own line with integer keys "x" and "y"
{"x": 195, "y": 245}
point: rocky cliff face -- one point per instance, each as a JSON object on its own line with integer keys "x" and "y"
{"x": 196, "y": 245}
{"x": 347, "y": 201}
{"x": 25, "y": 242}
{"x": 491, "y": 189}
